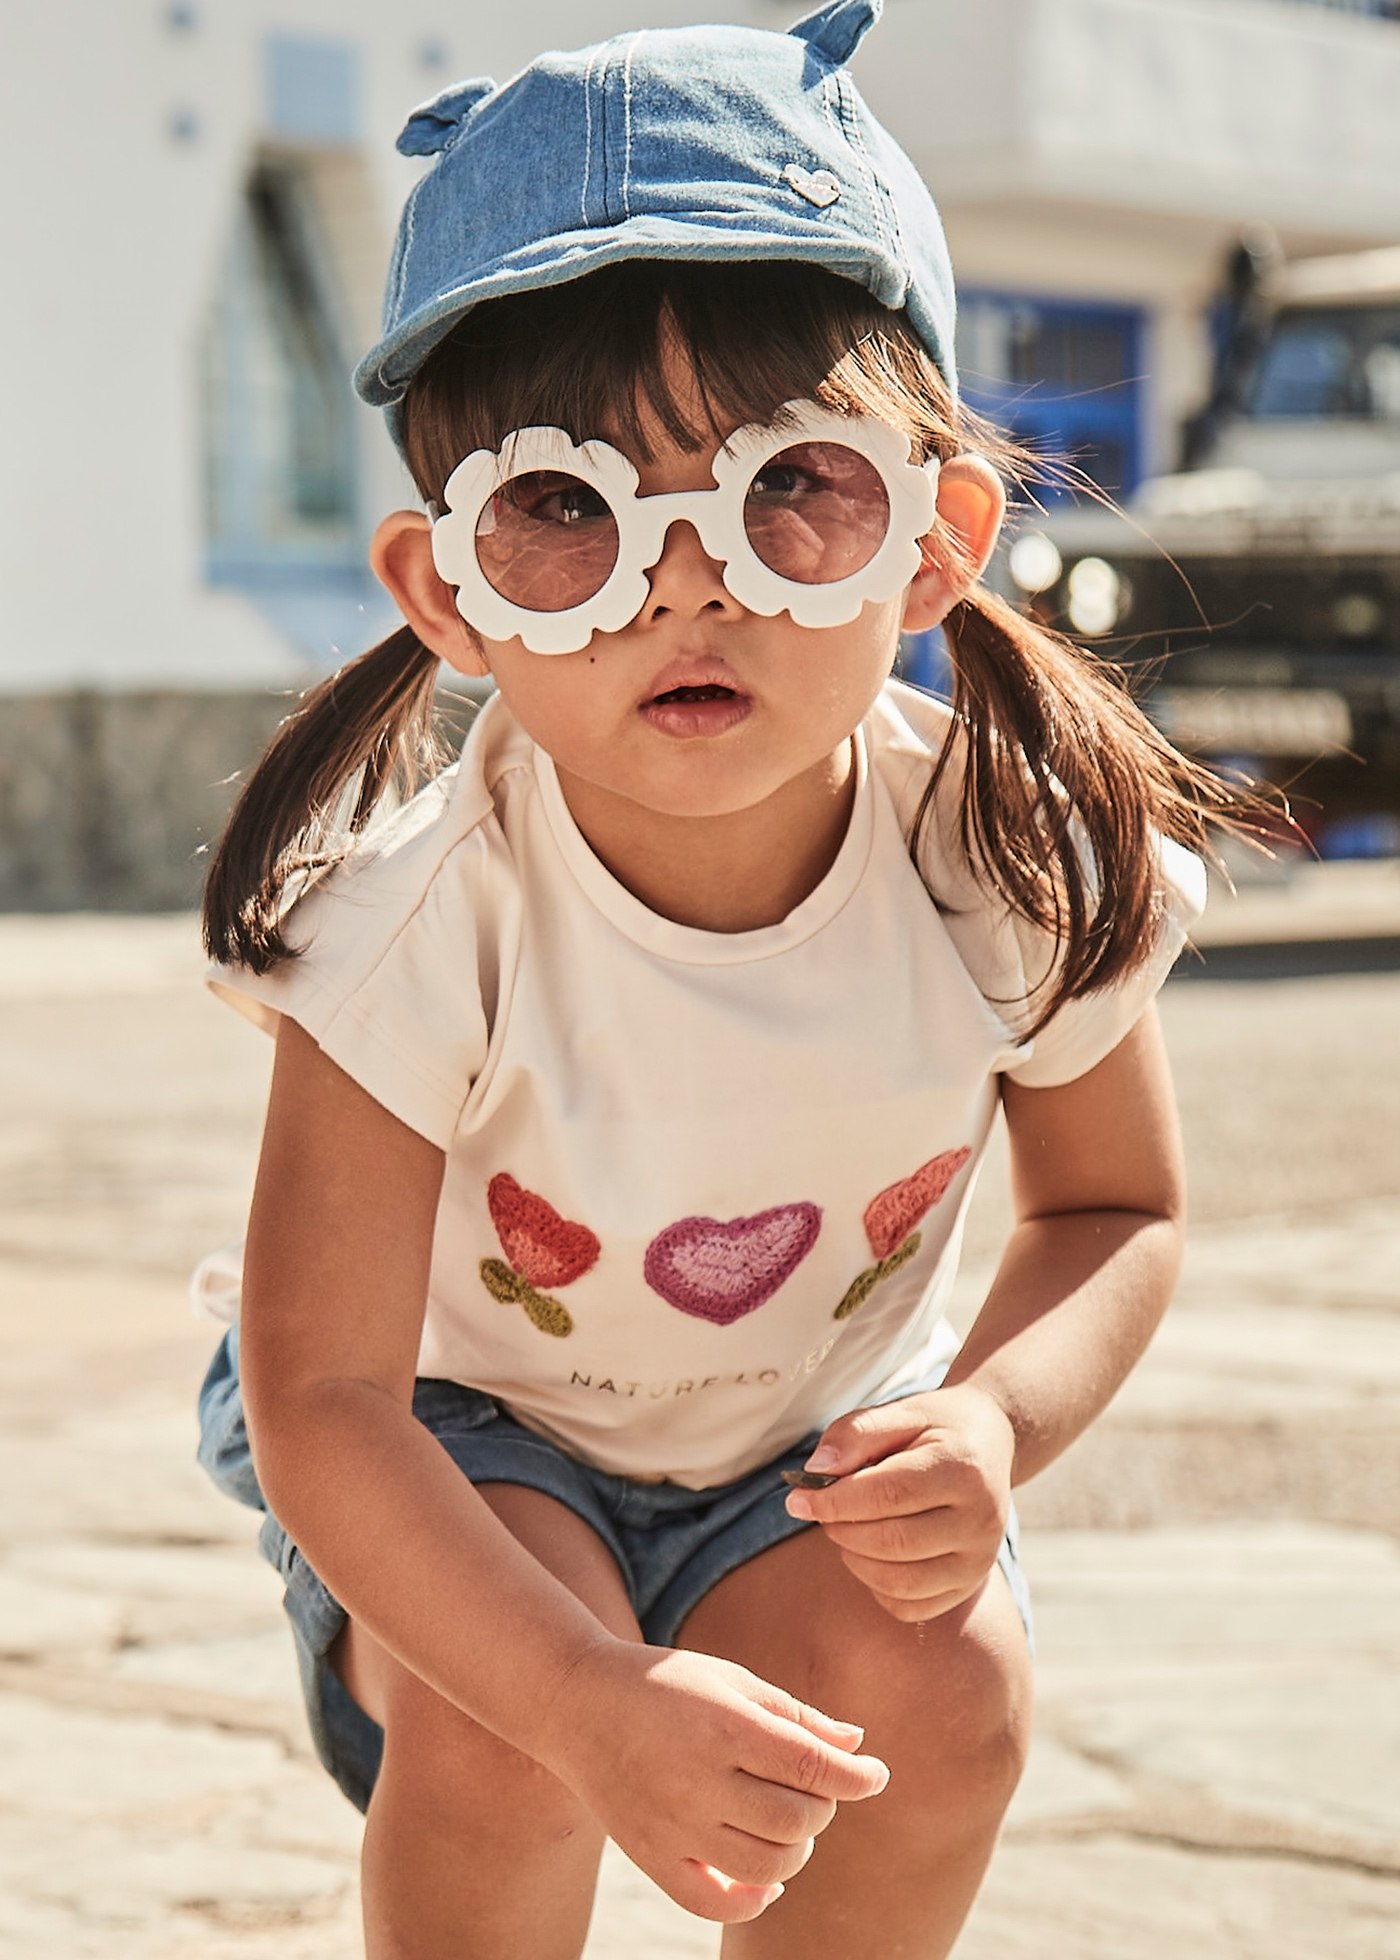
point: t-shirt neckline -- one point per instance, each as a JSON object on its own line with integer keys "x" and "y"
{"x": 670, "y": 940}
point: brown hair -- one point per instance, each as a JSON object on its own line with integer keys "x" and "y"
{"x": 1062, "y": 781}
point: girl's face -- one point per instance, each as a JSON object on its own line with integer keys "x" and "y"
{"x": 697, "y": 708}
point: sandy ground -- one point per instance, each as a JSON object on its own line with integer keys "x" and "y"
{"x": 1215, "y": 1566}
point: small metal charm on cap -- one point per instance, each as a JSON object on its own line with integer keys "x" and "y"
{"x": 819, "y": 187}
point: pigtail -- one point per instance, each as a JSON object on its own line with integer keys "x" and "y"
{"x": 367, "y": 729}
{"x": 1066, "y": 787}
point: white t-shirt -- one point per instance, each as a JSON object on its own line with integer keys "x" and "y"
{"x": 704, "y": 1191}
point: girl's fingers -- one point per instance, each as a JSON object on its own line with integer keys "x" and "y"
{"x": 929, "y": 1579}
{"x": 712, "y": 1894}
{"x": 742, "y": 1871}
{"x": 923, "y": 1478}
{"x": 926, "y": 1535}
{"x": 846, "y": 1735}
{"x": 757, "y": 1861}
{"x": 796, "y": 1758}
{"x": 782, "y": 1816}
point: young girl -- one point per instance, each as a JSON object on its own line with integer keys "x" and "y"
{"x": 632, "y": 1076}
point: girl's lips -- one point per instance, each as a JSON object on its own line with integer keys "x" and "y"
{"x": 687, "y": 713}
{"x": 692, "y": 672}
{"x": 695, "y": 695}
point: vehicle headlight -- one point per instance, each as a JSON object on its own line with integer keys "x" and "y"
{"x": 1034, "y": 562}
{"x": 1097, "y": 596}
{"x": 1358, "y": 616}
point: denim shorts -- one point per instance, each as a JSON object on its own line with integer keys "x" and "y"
{"x": 671, "y": 1545}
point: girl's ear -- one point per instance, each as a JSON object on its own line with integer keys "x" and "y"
{"x": 971, "y": 505}
{"x": 401, "y": 558}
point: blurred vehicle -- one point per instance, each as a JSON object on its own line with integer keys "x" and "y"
{"x": 1255, "y": 592}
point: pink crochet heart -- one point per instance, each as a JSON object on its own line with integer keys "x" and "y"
{"x": 721, "y": 1271}
{"x": 891, "y": 1216}
{"x": 547, "y": 1249}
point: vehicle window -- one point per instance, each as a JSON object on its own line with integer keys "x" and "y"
{"x": 1330, "y": 361}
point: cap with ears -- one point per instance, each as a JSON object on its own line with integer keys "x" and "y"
{"x": 707, "y": 144}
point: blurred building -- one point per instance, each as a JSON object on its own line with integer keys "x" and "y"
{"x": 1095, "y": 159}
{"x": 198, "y": 198}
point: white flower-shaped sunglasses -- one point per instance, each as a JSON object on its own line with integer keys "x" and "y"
{"x": 813, "y": 514}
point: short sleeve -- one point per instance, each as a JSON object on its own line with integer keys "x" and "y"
{"x": 1085, "y": 1030}
{"x": 400, "y": 948}
{"x": 1008, "y": 958}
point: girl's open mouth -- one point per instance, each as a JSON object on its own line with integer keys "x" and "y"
{"x": 695, "y": 709}
{"x": 712, "y": 692}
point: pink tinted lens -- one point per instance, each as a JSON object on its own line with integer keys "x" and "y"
{"x": 817, "y": 512}
{"x": 547, "y": 541}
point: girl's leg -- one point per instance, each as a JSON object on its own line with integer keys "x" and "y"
{"x": 472, "y": 1851}
{"x": 947, "y": 1705}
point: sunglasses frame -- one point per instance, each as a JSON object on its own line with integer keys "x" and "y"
{"x": 718, "y": 517}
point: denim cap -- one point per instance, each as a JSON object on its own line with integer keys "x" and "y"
{"x": 698, "y": 143}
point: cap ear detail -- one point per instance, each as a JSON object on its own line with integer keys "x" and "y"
{"x": 432, "y": 127}
{"x": 838, "y": 30}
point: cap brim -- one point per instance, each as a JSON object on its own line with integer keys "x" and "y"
{"x": 382, "y": 378}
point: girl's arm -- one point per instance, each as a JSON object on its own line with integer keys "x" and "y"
{"x": 335, "y": 1288}
{"x": 334, "y": 1293}
{"x": 1099, "y": 1192}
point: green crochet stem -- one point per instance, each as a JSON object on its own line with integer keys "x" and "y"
{"x": 864, "y": 1284}
{"x": 503, "y": 1284}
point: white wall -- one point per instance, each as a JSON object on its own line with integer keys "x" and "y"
{"x": 1208, "y": 109}
{"x": 114, "y": 231}
{"x": 1106, "y": 147}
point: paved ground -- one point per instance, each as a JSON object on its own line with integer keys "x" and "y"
{"x": 1216, "y": 1568}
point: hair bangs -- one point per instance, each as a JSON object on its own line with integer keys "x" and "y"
{"x": 687, "y": 351}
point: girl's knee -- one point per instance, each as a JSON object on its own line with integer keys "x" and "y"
{"x": 948, "y": 1704}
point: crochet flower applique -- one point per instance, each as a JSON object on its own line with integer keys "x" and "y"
{"x": 719, "y": 1270}
{"x": 890, "y": 1219}
{"x": 544, "y": 1250}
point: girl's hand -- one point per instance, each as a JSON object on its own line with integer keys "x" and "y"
{"x": 919, "y": 1509}
{"x": 713, "y": 1782}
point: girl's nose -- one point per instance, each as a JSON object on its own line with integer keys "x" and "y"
{"x": 685, "y": 581}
